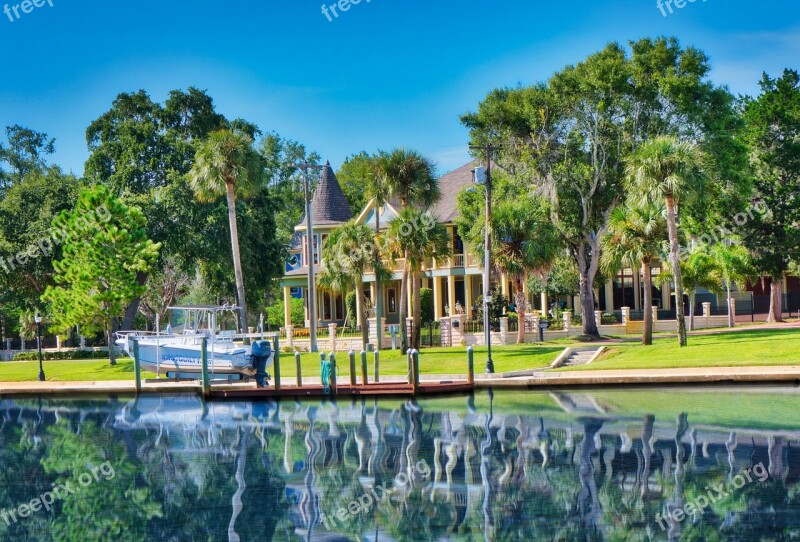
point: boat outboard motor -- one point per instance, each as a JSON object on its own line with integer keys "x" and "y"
{"x": 261, "y": 352}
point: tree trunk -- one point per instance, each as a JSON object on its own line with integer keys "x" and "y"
{"x": 403, "y": 309}
{"x": 133, "y": 307}
{"x": 521, "y": 303}
{"x": 692, "y": 303}
{"x": 647, "y": 328}
{"x": 775, "y": 300}
{"x": 731, "y": 323}
{"x": 378, "y": 301}
{"x": 112, "y": 358}
{"x": 587, "y": 274}
{"x": 416, "y": 293}
{"x": 360, "y": 310}
{"x": 237, "y": 260}
{"x": 674, "y": 256}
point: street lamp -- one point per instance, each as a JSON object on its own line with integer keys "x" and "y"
{"x": 38, "y": 320}
{"x": 483, "y": 176}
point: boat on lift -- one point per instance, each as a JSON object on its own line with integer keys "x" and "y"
{"x": 177, "y": 353}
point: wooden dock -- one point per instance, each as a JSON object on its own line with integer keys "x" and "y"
{"x": 396, "y": 389}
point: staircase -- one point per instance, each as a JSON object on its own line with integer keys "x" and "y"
{"x": 571, "y": 357}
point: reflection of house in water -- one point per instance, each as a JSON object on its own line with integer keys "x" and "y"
{"x": 475, "y": 458}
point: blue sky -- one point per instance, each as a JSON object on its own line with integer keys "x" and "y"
{"x": 384, "y": 74}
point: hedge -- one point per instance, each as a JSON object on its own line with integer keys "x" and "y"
{"x": 62, "y": 356}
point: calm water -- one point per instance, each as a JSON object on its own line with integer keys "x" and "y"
{"x": 712, "y": 464}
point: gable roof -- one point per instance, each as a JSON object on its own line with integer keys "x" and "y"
{"x": 446, "y": 209}
{"x": 329, "y": 206}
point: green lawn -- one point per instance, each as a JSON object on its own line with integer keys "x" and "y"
{"x": 69, "y": 371}
{"x": 431, "y": 361}
{"x": 744, "y": 348}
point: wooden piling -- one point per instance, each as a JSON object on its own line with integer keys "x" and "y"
{"x": 333, "y": 373}
{"x": 298, "y": 369}
{"x": 470, "y": 365}
{"x": 352, "y": 356}
{"x": 206, "y": 385}
{"x": 277, "y": 364}
{"x": 415, "y": 370}
{"x": 137, "y": 366}
{"x": 377, "y": 377}
{"x": 364, "y": 376}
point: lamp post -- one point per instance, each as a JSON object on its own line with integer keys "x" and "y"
{"x": 38, "y": 320}
{"x": 311, "y": 296}
{"x": 484, "y": 176}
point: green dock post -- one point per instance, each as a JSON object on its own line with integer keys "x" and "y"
{"x": 333, "y": 373}
{"x": 415, "y": 370}
{"x": 470, "y": 365}
{"x": 377, "y": 355}
{"x": 352, "y": 356}
{"x": 364, "y": 376}
{"x": 277, "y": 364}
{"x": 297, "y": 369}
{"x": 410, "y": 367}
{"x": 137, "y": 366}
{"x": 204, "y": 364}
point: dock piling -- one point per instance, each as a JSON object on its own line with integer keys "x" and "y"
{"x": 333, "y": 373}
{"x": 364, "y": 376}
{"x": 277, "y": 364}
{"x": 415, "y": 370}
{"x": 206, "y": 385}
{"x": 377, "y": 355}
{"x": 352, "y": 356}
{"x": 470, "y": 365}
{"x": 137, "y": 366}
{"x": 298, "y": 370}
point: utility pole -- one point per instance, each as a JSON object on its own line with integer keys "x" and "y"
{"x": 312, "y": 290}
{"x": 487, "y": 256}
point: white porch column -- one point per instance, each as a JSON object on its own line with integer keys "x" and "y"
{"x": 468, "y": 294}
{"x": 609, "y": 286}
{"x": 437, "y": 298}
{"x": 451, "y": 294}
{"x": 287, "y": 306}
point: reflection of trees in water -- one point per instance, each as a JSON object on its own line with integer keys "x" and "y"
{"x": 492, "y": 477}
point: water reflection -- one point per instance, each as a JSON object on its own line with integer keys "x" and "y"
{"x": 505, "y": 466}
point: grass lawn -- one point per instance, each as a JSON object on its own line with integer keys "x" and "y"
{"x": 431, "y": 361}
{"x": 744, "y": 348}
{"x": 69, "y": 371}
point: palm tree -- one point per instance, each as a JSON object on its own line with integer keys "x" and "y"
{"x": 524, "y": 243}
{"x": 417, "y": 236}
{"x": 346, "y": 256}
{"x": 733, "y": 266}
{"x": 378, "y": 191}
{"x": 408, "y": 177}
{"x": 698, "y": 270}
{"x": 635, "y": 236}
{"x": 669, "y": 169}
{"x": 226, "y": 163}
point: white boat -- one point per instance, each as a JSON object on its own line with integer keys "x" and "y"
{"x": 178, "y": 354}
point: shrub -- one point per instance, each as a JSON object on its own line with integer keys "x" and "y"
{"x": 62, "y": 355}
{"x": 426, "y": 305}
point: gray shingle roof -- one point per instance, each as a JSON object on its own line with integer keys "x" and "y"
{"x": 446, "y": 209}
{"x": 329, "y": 206}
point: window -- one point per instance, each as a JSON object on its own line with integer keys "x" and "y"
{"x": 392, "y": 295}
